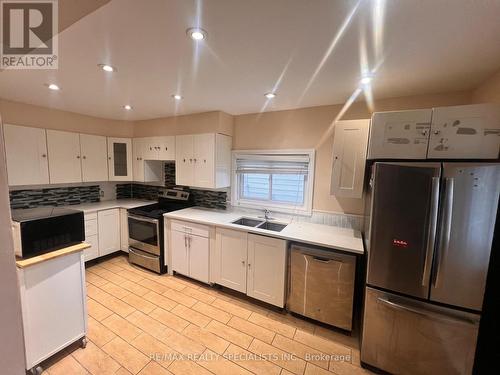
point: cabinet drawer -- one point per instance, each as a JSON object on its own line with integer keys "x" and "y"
{"x": 190, "y": 228}
{"x": 90, "y": 227}
{"x": 90, "y": 216}
{"x": 93, "y": 251}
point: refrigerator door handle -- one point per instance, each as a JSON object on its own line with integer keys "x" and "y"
{"x": 426, "y": 313}
{"x": 431, "y": 238}
{"x": 446, "y": 229}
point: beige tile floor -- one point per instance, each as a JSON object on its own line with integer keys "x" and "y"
{"x": 142, "y": 323}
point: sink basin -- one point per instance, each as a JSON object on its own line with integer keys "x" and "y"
{"x": 275, "y": 227}
{"x": 248, "y": 222}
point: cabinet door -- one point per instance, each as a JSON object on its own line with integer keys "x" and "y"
{"x": 93, "y": 251}
{"x": 465, "y": 132}
{"x": 230, "y": 259}
{"x": 184, "y": 170}
{"x": 150, "y": 147}
{"x": 64, "y": 157}
{"x": 138, "y": 147}
{"x": 349, "y": 158}
{"x": 109, "y": 231}
{"x": 179, "y": 251}
{"x": 266, "y": 269}
{"x": 94, "y": 151}
{"x": 167, "y": 148}
{"x": 400, "y": 135}
{"x": 198, "y": 249}
{"x": 26, "y": 151}
{"x": 124, "y": 229}
{"x": 204, "y": 160}
{"x": 120, "y": 159}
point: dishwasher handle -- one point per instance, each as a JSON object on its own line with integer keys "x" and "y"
{"x": 324, "y": 260}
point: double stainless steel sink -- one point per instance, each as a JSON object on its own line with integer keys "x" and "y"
{"x": 261, "y": 224}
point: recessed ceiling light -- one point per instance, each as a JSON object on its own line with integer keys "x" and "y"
{"x": 107, "y": 68}
{"x": 53, "y": 86}
{"x": 270, "y": 95}
{"x": 196, "y": 33}
{"x": 177, "y": 97}
{"x": 127, "y": 107}
{"x": 366, "y": 80}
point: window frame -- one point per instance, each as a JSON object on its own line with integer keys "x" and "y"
{"x": 305, "y": 209}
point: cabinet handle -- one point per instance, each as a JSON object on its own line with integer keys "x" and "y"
{"x": 204, "y": 160}
{"x": 166, "y": 148}
{"x": 44, "y": 155}
{"x": 78, "y": 156}
{"x": 249, "y": 265}
{"x": 243, "y": 262}
{"x": 84, "y": 157}
{"x": 184, "y": 160}
{"x": 150, "y": 148}
{"x": 190, "y": 160}
{"x": 436, "y": 132}
{"x": 109, "y": 157}
{"x": 424, "y": 132}
{"x": 194, "y": 160}
{"x": 185, "y": 242}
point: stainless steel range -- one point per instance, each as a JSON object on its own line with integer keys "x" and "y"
{"x": 145, "y": 228}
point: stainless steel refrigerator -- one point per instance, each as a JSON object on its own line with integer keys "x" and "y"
{"x": 429, "y": 241}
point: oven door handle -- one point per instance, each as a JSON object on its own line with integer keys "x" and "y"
{"x": 139, "y": 218}
{"x": 131, "y": 249}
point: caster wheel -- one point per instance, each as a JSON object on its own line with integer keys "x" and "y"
{"x": 36, "y": 370}
{"x": 83, "y": 343}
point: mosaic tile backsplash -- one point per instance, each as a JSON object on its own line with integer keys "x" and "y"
{"x": 60, "y": 196}
{"x": 202, "y": 198}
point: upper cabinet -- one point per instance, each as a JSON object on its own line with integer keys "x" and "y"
{"x": 94, "y": 153}
{"x": 203, "y": 160}
{"x": 158, "y": 148}
{"x": 463, "y": 132}
{"x": 120, "y": 159}
{"x": 145, "y": 170}
{"x": 455, "y": 132}
{"x": 400, "y": 135}
{"x": 64, "y": 155}
{"x": 349, "y": 158}
{"x": 26, "y": 151}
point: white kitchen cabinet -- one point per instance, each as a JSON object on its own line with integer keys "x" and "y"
{"x": 190, "y": 249}
{"x": 64, "y": 157}
{"x": 203, "y": 160}
{"x": 266, "y": 269}
{"x": 179, "y": 252}
{"x": 120, "y": 159}
{"x": 26, "y": 152}
{"x": 109, "y": 231}
{"x": 465, "y": 132}
{"x": 159, "y": 148}
{"x": 350, "y": 143}
{"x": 400, "y": 134}
{"x": 184, "y": 154}
{"x": 250, "y": 264}
{"x": 124, "y": 229}
{"x": 91, "y": 236}
{"x": 94, "y": 153}
{"x": 230, "y": 259}
{"x": 145, "y": 170}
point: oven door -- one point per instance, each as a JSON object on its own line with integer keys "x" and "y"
{"x": 144, "y": 234}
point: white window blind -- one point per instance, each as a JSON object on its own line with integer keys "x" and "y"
{"x": 275, "y": 164}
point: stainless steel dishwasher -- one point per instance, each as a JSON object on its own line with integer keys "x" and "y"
{"x": 321, "y": 285}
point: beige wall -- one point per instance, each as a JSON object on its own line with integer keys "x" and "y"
{"x": 305, "y": 127}
{"x": 41, "y": 117}
{"x": 489, "y": 91}
{"x": 206, "y": 122}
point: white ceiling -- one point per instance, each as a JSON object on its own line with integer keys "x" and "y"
{"x": 425, "y": 46}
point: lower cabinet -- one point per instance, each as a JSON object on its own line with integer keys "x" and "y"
{"x": 124, "y": 229}
{"x": 251, "y": 264}
{"x": 266, "y": 269}
{"x": 189, "y": 246}
{"x": 109, "y": 231}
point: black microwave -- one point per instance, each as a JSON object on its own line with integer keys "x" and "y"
{"x": 41, "y": 230}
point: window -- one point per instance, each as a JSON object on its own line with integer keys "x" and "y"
{"x": 277, "y": 180}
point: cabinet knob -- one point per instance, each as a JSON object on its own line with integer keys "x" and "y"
{"x": 44, "y": 155}
{"x": 190, "y": 160}
{"x": 243, "y": 262}
{"x": 204, "y": 160}
{"x": 166, "y": 148}
{"x": 194, "y": 160}
{"x": 109, "y": 157}
{"x": 84, "y": 157}
{"x": 184, "y": 160}
{"x": 151, "y": 148}
{"x": 248, "y": 265}
{"x": 424, "y": 132}
{"x": 78, "y": 156}
{"x": 436, "y": 132}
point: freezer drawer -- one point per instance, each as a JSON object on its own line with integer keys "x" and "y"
{"x": 322, "y": 285}
{"x": 404, "y": 336}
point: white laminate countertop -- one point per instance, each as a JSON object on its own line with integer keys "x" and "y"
{"x": 106, "y": 205}
{"x": 315, "y": 234}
